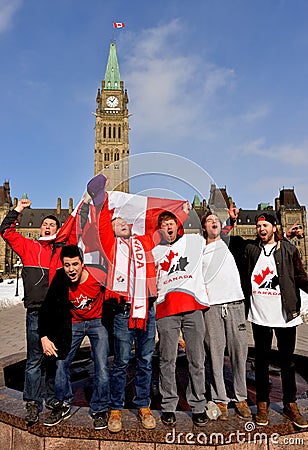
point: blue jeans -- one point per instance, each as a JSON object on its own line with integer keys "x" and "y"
{"x": 144, "y": 348}
{"x": 32, "y": 387}
{"x": 98, "y": 336}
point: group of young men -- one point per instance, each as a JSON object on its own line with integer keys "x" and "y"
{"x": 171, "y": 283}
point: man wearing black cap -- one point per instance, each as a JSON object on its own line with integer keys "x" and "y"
{"x": 275, "y": 275}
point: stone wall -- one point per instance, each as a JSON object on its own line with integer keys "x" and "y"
{"x": 78, "y": 433}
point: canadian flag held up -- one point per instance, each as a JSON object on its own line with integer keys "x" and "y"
{"x": 118, "y": 25}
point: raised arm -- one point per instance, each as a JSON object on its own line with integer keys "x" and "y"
{"x": 8, "y": 228}
{"x": 228, "y": 225}
{"x": 105, "y": 231}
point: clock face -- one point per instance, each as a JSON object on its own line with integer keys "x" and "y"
{"x": 112, "y": 101}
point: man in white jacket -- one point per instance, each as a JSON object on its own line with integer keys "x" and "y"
{"x": 225, "y": 323}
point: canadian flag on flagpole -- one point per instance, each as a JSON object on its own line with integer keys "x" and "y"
{"x": 118, "y": 25}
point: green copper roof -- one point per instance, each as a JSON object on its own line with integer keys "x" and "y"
{"x": 196, "y": 201}
{"x": 112, "y": 74}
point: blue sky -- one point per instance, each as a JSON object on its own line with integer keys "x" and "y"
{"x": 222, "y": 83}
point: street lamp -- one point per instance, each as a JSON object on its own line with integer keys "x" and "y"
{"x": 18, "y": 265}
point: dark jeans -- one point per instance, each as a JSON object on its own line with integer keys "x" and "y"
{"x": 144, "y": 348}
{"x": 98, "y": 336}
{"x": 35, "y": 357}
{"x": 286, "y": 338}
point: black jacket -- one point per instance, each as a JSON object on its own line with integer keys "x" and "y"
{"x": 55, "y": 319}
{"x": 291, "y": 274}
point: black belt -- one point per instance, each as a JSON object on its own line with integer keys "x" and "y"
{"x": 123, "y": 306}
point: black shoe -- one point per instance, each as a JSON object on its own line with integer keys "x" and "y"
{"x": 100, "y": 420}
{"x": 54, "y": 403}
{"x": 168, "y": 418}
{"x": 57, "y": 415}
{"x": 32, "y": 413}
{"x": 199, "y": 419}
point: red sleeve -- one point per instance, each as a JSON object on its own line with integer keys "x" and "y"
{"x": 105, "y": 231}
{"x": 19, "y": 243}
{"x": 71, "y": 229}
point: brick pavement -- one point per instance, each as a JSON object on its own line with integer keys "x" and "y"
{"x": 12, "y": 330}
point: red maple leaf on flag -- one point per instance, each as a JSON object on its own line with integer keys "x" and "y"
{"x": 165, "y": 265}
{"x": 260, "y": 277}
{"x": 118, "y": 25}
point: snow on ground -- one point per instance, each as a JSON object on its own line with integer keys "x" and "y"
{"x": 8, "y": 291}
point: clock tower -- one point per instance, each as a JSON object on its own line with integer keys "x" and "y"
{"x": 111, "y": 153}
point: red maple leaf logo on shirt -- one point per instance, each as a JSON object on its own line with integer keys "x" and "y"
{"x": 165, "y": 265}
{"x": 260, "y": 277}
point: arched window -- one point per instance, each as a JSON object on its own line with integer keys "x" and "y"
{"x": 114, "y": 132}
{"x": 104, "y": 132}
{"x": 106, "y": 156}
{"x": 109, "y": 132}
{"x": 119, "y": 132}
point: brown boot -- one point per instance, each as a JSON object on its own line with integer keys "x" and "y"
{"x": 262, "y": 413}
{"x": 243, "y": 410}
{"x": 146, "y": 418}
{"x": 290, "y": 410}
{"x": 115, "y": 421}
{"x": 224, "y": 411}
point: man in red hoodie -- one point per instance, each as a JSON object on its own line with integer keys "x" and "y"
{"x": 41, "y": 259}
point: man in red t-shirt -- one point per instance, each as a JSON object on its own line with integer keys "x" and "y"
{"x": 72, "y": 310}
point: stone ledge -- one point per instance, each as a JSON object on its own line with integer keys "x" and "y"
{"x": 80, "y": 426}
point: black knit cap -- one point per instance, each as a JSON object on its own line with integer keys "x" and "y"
{"x": 266, "y": 217}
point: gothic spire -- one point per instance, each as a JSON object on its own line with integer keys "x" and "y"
{"x": 112, "y": 74}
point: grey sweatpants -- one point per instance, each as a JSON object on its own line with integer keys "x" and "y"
{"x": 225, "y": 327}
{"x": 192, "y": 326}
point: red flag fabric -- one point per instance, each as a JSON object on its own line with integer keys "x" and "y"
{"x": 118, "y": 25}
{"x": 142, "y": 212}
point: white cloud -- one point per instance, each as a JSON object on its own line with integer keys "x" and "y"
{"x": 8, "y": 9}
{"x": 288, "y": 153}
{"x": 172, "y": 89}
{"x": 259, "y": 112}
{"x": 216, "y": 78}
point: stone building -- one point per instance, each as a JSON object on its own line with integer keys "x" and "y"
{"x": 111, "y": 152}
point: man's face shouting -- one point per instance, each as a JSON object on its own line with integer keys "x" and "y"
{"x": 266, "y": 231}
{"x": 73, "y": 268}
{"x": 171, "y": 229}
{"x": 212, "y": 226}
